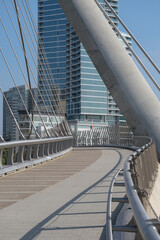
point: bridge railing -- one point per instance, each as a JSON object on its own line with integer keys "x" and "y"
{"x": 30, "y": 152}
{"x": 140, "y": 173}
{"x": 109, "y": 135}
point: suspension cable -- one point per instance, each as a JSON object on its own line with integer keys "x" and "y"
{"x": 21, "y": 72}
{"x": 38, "y": 69}
{"x": 34, "y": 47}
{"x": 27, "y": 82}
{"x": 131, "y": 35}
{"x": 33, "y": 22}
{"x": 14, "y": 79}
{"x": 119, "y": 33}
{"x": 18, "y": 92}
{"x": 26, "y": 61}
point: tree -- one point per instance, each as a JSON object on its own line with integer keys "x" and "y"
{"x": 4, "y": 156}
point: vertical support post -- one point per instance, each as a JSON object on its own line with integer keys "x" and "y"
{"x": 10, "y": 156}
{"x": 46, "y": 149}
{"x": 61, "y": 149}
{"x": 41, "y": 148}
{"x": 51, "y": 148}
{"x": 28, "y": 153}
{"x": 55, "y": 147}
{"x": 1, "y": 152}
{"x": 58, "y": 146}
{"x": 61, "y": 146}
{"x": 35, "y": 151}
{"x": 20, "y": 157}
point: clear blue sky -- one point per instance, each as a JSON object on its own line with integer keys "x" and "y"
{"x": 141, "y": 16}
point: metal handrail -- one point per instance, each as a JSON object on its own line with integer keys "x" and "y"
{"x": 144, "y": 224}
{"x": 32, "y": 142}
{"x": 109, "y": 235}
{"x": 141, "y": 142}
{"x": 29, "y": 152}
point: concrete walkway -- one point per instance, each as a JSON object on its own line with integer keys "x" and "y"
{"x": 71, "y": 207}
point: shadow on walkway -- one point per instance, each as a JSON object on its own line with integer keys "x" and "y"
{"x": 41, "y": 226}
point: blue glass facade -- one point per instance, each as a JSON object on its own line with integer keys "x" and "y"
{"x": 52, "y": 42}
{"x": 87, "y": 98}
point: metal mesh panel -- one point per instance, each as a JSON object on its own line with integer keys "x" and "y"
{"x": 144, "y": 170}
{"x": 110, "y": 135}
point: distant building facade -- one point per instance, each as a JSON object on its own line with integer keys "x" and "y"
{"x": 10, "y": 131}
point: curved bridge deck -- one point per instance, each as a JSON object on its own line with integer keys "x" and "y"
{"x": 63, "y": 199}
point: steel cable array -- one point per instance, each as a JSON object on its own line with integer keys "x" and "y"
{"x": 50, "y": 103}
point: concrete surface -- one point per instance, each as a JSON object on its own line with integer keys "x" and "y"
{"x": 71, "y": 208}
{"x": 155, "y": 196}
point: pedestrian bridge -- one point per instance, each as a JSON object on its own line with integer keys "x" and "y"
{"x": 65, "y": 198}
{"x": 100, "y": 184}
{"x": 67, "y": 193}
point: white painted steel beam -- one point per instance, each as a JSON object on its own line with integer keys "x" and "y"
{"x": 133, "y": 95}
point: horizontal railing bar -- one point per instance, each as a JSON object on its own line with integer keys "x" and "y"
{"x": 120, "y": 174}
{"x": 122, "y": 200}
{"x": 145, "y": 226}
{"x": 19, "y": 166}
{"x": 124, "y": 228}
{"x": 119, "y": 184}
{"x": 32, "y": 142}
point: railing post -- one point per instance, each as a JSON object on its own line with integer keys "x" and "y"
{"x": 1, "y": 152}
{"x": 20, "y": 157}
{"x": 46, "y": 149}
{"x": 28, "y": 153}
{"x": 41, "y": 150}
{"x": 51, "y": 148}
{"x": 35, "y": 151}
{"x": 61, "y": 149}
{"x": 58, "y": 146}
{"x": 67, "y": 144}
{"x": 10, "y": 156}
{"x": 55, "y": 147}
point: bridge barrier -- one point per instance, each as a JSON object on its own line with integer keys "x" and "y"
{"x": 109, "y": 135}
{"x": 19, "y": 154}
{"x": 140, "y": 174}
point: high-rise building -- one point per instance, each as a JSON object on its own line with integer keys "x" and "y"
{"x": 23, "y": 118}
{"x": 10, "y": 131}
{"x": 52, "y": 43}
{"x": 88, "y": 102}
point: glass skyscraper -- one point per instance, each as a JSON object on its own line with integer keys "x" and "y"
{"x": 10, "y": 131}
{"x": 88, "y": 102}
{"x": 52, "y": 43}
